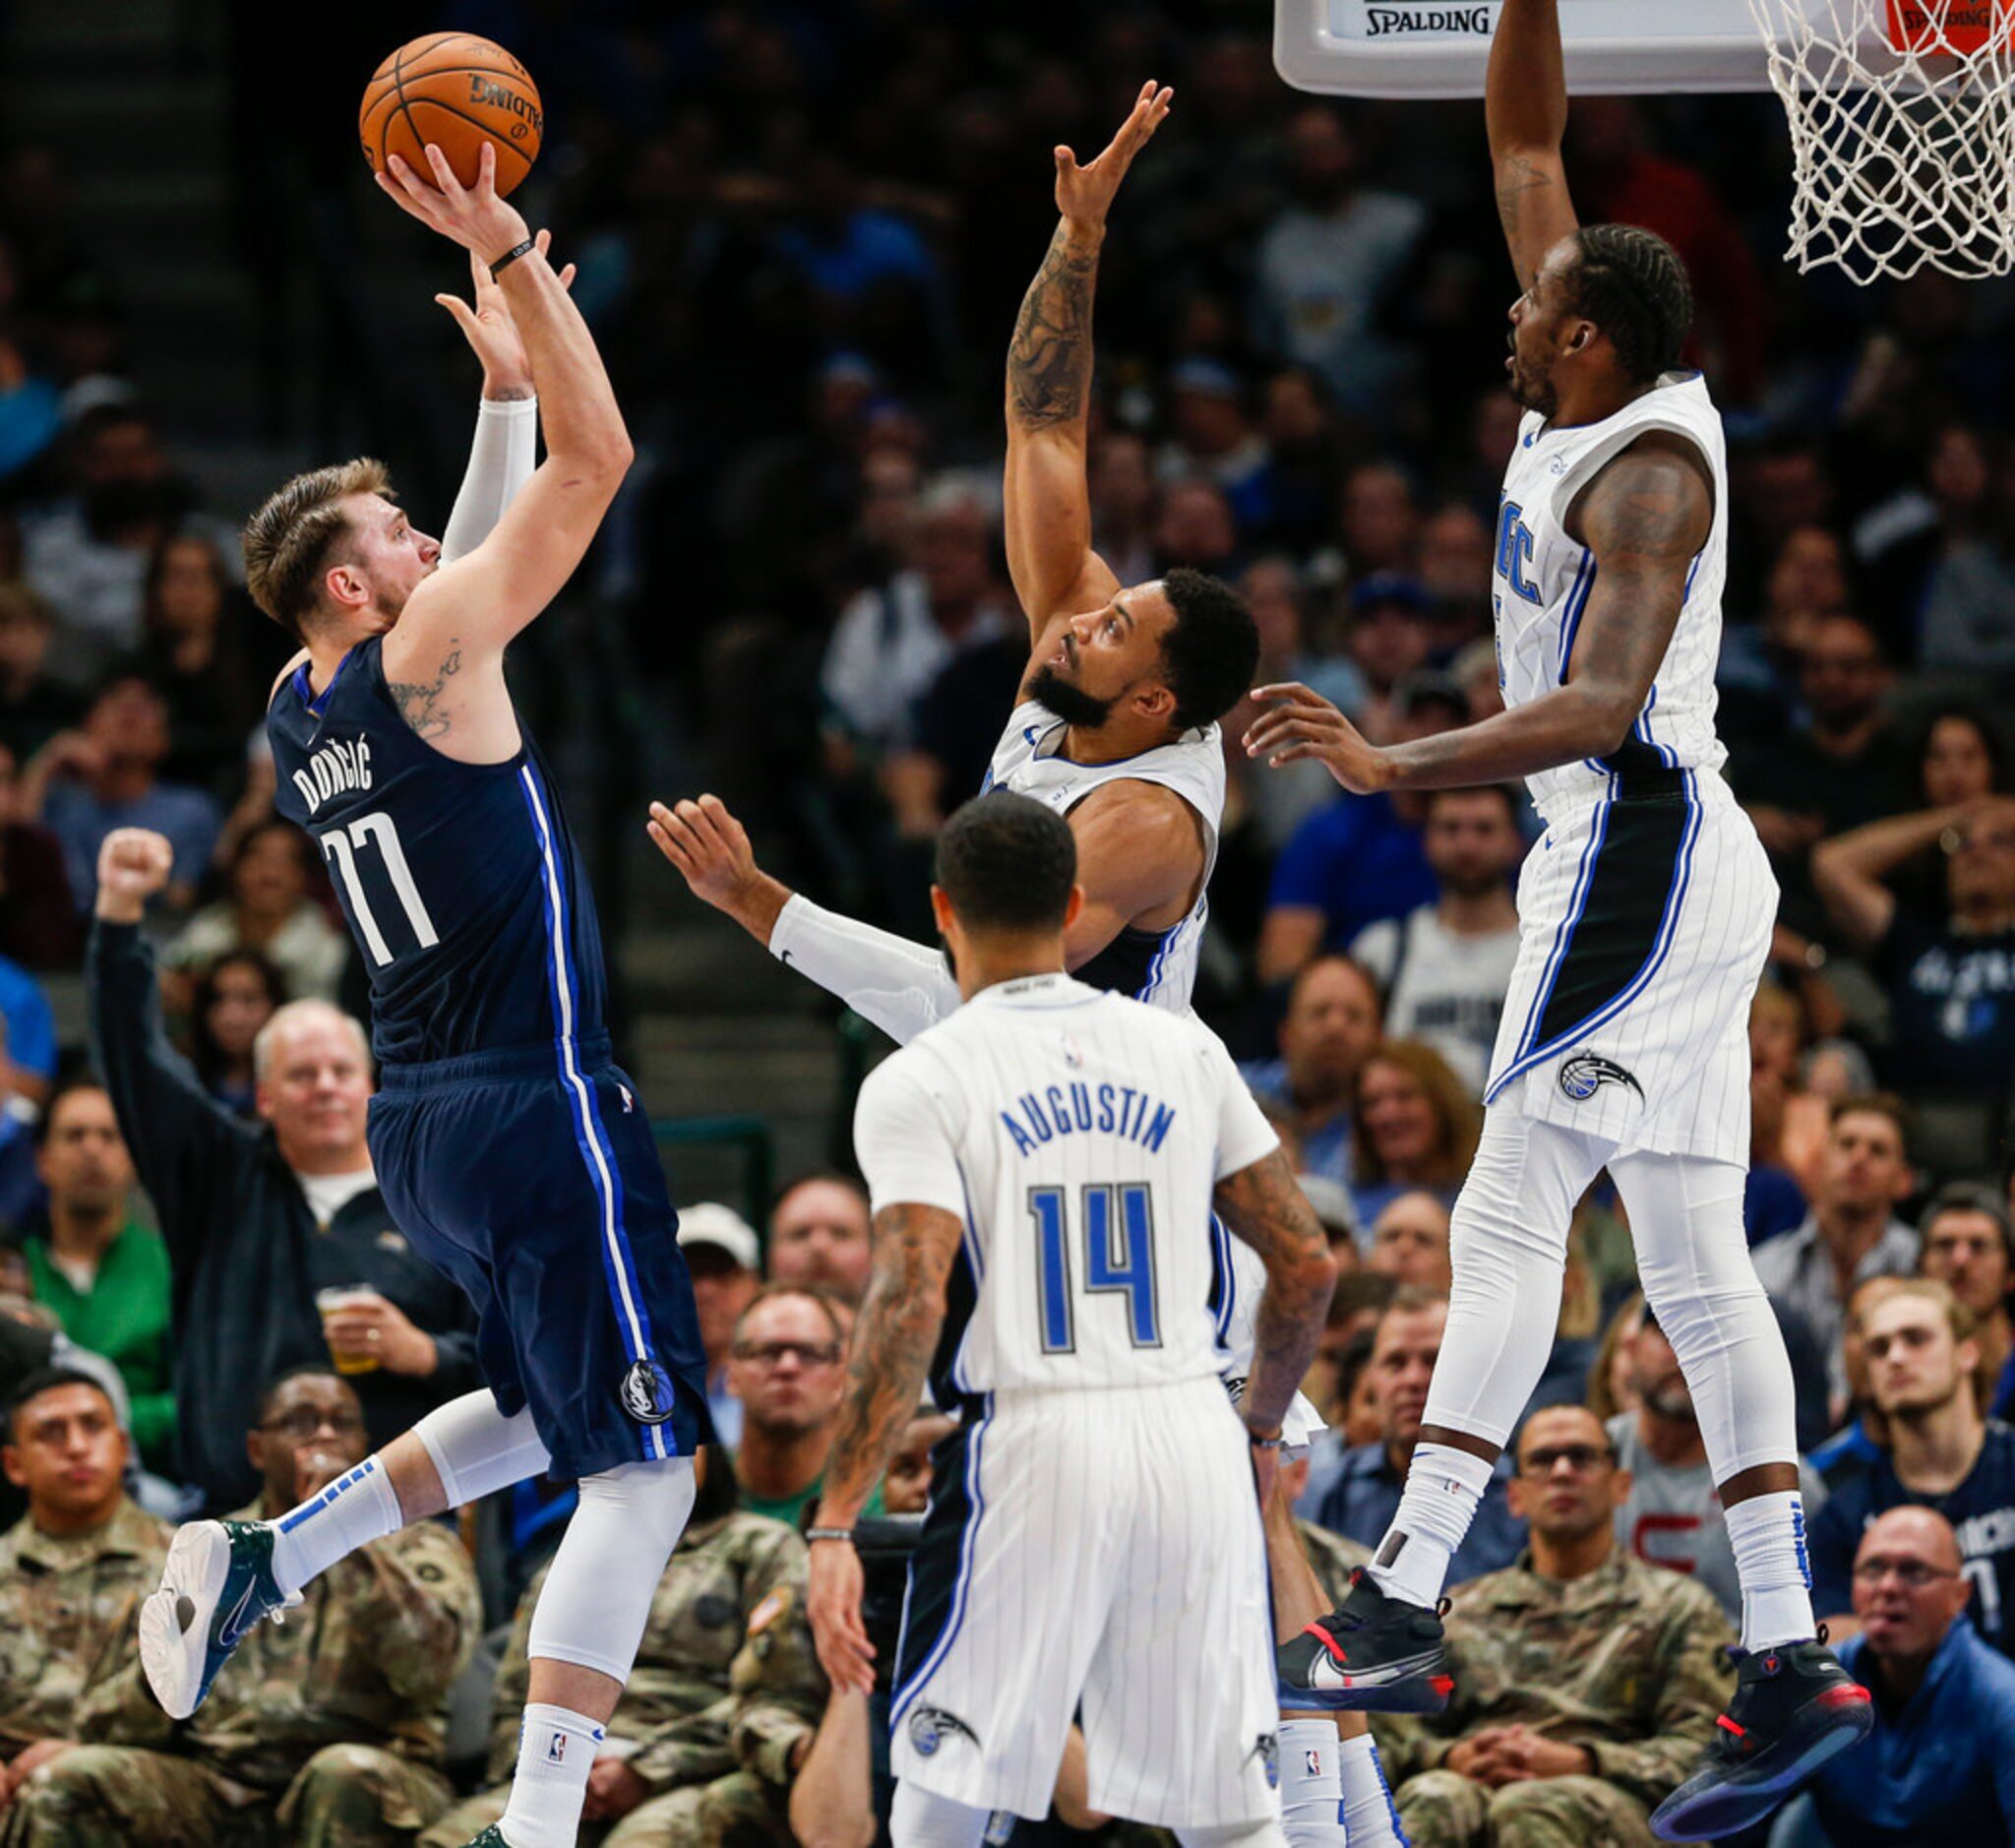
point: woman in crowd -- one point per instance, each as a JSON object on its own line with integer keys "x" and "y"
{"x": 268, "y": 908}
{"x": 1413, "y": 1125}
{"x": 235, "y": 998}
{"x": 194, "y": 649}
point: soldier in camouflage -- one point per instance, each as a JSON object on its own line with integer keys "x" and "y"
{"x": 324, "y": 1731}
{"x": 71, "y": 1574}
{"x": 1586, "y": 1682}
{"x": 720, "y": 1711}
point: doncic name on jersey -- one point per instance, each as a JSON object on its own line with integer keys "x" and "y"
{"x": 336, "y": 767}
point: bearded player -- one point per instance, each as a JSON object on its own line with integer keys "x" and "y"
{"x": 511, "y": 1150}
{"x": 1645, "y": 914}
{"x": 1117, "y": 730}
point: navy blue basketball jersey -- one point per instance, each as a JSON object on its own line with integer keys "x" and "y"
{"x": 464, "y": 890}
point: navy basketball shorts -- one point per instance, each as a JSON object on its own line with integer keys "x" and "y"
{"x": 530, "y": 1178}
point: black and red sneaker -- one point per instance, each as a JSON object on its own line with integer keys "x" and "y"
{"x": 1377, "y": 1654}
{"x": 1793, "y": 1707}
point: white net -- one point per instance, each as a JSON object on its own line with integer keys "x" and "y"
{"x": 1903, "y": 132}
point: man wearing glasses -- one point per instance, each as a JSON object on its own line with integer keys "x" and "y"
{"x": 785, "y": 1367}
{"x": 1941, "y": 1764}
{"x": 1586, "y": 1682}
{"x": 333, "y": 1724}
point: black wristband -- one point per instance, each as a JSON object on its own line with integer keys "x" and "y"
{"x": 511, "y": 255}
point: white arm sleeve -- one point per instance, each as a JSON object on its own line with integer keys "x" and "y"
{"x": 1244, "y": 1136}
{"x": 900, "y": 986}
{"x": 500, "y": 463}
{"x": 903, "y": 1139}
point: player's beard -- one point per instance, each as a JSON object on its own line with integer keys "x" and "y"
{"x": 1072, "y": 704}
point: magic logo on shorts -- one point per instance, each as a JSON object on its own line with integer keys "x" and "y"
{"x": 931, "y": 1727}
{"x": 646, "y": 1393}
{"x": 1582, "y": 1076}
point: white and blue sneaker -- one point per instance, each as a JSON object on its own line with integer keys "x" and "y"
{"x": 217, "y": 1584}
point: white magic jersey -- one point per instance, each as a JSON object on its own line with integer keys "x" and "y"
{"x": 1158, "y": 967}
{"x": 1543, "y": 579}
{"x": 1078, "y": 1136}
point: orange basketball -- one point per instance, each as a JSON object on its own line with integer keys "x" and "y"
{"x": 457, "y": 91}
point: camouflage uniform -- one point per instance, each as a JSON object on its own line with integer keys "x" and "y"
{"x": 725, "y": 1685}
{"x": 1626, "y": 1661}
{"x": 324, "y": 1731}
{"x": 1333, "y": 1558}
{"x": 69, "y": 1633}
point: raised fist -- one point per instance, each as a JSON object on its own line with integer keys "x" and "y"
{"x": 133, "y": 865}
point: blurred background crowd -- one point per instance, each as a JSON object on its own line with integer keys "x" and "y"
{"x": 803, "y": 232}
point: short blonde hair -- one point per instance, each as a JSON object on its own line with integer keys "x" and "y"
{"x": 289, "y": 541}
{"x": 283, "y": 1019}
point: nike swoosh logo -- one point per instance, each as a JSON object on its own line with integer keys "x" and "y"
{"x": 232, "y": 1627}
{"x": 785, "y": 959}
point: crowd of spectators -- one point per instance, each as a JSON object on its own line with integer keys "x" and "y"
{"x": 803, "y": 233}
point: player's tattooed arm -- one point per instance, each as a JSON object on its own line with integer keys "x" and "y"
{"x": 890, "y": 1356}
{"x": 1645, "y": 518}
{"x": 1047, "y": 503}
{"x": 422, "y": 703}
{"x": 1048, "y": 360}
{"x": 1265, "y": 1205}
{"x": 1525, "y": 109}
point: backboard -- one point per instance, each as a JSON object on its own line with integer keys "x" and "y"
{"x": 1424, "y": 49}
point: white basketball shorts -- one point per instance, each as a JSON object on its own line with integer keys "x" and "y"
{"x": 1096, "y": 1553}
{"x": 1644, "y": 921}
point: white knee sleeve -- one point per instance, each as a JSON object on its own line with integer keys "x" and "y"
{"x": 598, "y": 1596}
{"x": 1693, "y": 1260}
{"x": 476, "y": 1450}
{"x": 918, "y": 1820}
{"x": 1507, "y": 1246}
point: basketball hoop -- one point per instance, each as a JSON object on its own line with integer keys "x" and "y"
{"x": 1903, "y": 132}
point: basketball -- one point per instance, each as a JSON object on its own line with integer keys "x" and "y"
{"x": 457, "y": 91}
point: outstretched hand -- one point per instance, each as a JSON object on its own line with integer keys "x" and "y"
{"x": 1302, "y": 723}
{"x": 711, "y": 852}
{"x": 474, "y": 217}
{"x": 1085, "y": 193}
{"x": 491, "y": 331}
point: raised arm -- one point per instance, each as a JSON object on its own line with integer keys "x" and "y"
{"x": 1644, "y": 517}
{"x": 1048, "y": 504}
{"x": 447, "y": 647}
{"x": 505, "y": 447}
{"x": 1525, "y": 108}
{"x": 1849, "y": 870}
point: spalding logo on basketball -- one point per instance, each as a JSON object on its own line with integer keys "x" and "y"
{"x": 647, "y": 1394}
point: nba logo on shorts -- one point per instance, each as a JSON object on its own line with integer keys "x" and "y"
{"x": 646, "y": 1393}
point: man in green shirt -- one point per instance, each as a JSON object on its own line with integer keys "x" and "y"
{"x": 788, "y": 1368}
{"x": 105, "y": 1277}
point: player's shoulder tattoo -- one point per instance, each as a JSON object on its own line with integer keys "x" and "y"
{"x": 419, "y": 702}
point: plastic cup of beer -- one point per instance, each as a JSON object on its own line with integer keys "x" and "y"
{"x": 332, "y": 1303}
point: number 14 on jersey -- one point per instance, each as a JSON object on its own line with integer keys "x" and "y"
{"x": 1117, "y": 1245}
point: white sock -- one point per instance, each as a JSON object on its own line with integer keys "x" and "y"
{"x": 355, "y": 1508}
{"x": 1368, "y": 1812}
{"x": 1767, "y": 1533}
{"x": 1443, "y": 1488}
{"x": 555, "y": 1753}
{"x": 1311, "y": 1792}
